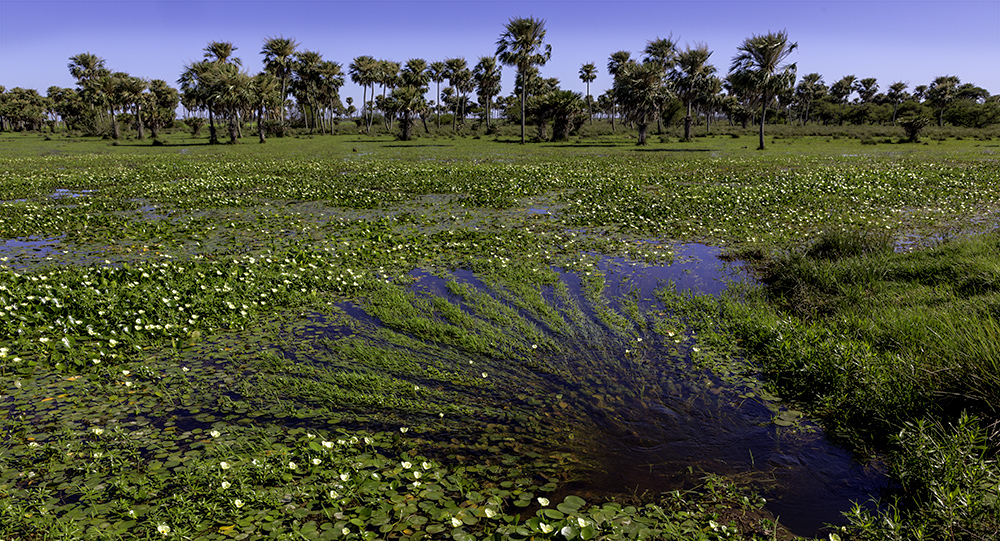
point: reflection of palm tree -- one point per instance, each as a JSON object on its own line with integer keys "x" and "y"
{"x": 588, "y": 72}
{"x": 758, "y": 65}
{"x": 521, "y": 46}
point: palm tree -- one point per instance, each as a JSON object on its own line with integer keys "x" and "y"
{"x": 487, "y": 77}
{"x": 809, "y": 88}
{"x": 230, "y": 91}
{"x": 131, "y": 89}
{"x": 867, "y": 88}
{"x": 459, "y": 77}
{"x": 85, "y": 67}
{"x": 616, "y": 61}
{"x": 386, "y": 74}
{"x": 438, "y": 72}
{"x": 842, "y": 89}
{"x": 759, "y": 64}
{"x": 220, "y": 51}
{"x": 521, "y": 45}
{"x": 331, "y": 77}
{"x": 195, "y": 83}
{"x": 161, "y": 106}
{"x": 663, "y": 53}
{"x": 941, "y": 93}
{"x": 306, "y": 83}
{"x": 279, "y": 56}
{"x": 896, "y": 94}
{"x": 588, "y": 72}
{"x": 264, "y": 93}
{"x": 639, "y": 89}
{"x": 363, "y": 72}
{"x": 691, "y": 79}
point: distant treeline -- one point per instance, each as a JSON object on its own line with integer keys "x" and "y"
{"x": 663, "y": 85}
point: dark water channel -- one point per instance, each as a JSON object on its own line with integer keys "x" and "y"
{"x": 667, "y": 424}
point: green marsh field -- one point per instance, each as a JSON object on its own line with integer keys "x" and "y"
{"x": 353, "y": 337}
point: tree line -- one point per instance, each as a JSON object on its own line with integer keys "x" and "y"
{"x": 665, "y": 84}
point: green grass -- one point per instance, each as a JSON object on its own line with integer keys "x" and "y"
{"x": 189, "y": 288}
{"x": 899, "y": 352}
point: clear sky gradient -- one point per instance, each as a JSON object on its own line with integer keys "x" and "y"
{"x": 911, "y": 41}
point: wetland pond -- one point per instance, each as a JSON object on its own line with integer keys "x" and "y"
{"x": 645, "y": 413}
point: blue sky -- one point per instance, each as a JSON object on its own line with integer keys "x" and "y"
{"x": 911, "y": 41}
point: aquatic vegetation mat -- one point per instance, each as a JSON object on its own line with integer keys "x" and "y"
{"x": 242, "y": 347}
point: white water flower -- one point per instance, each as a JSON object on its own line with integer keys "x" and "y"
{"x": 406, "y": 465}
{"x": 543, "y": 501}
{"x": 224, "y": 465}
{"x": 456, "y": 522}
{"x": 163, "y": 529}
{"x": 345, "y": 476}
{"x": 484, "y": 374}
{"x": 215, "y": 433}
{"x": 226, "y": 484}
{"x": 490, "y": 513}
{"x": 546, "y": 528}
{"x": 402, "y": 429}
{"x": 316, "y": 462}
{"x": 582, "y": 522}
{"x": 97, "y": 431}
{"x": 292, "y": 465}
{"x": 238, "y": 503}
{"x": 328, "y": 444}
{"x": 425, "y": 465}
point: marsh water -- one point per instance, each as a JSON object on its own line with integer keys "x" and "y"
{"x": 650, "y": 419}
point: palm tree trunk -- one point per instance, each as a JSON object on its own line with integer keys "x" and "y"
{"x": 213, "y": 137}
{"x": 687, "y": 123}
{"x": 437, "y": 104}
{"x": 763, "y": 113}
{"x": 524, "y": 86}
{"x": 260, "y": 126}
